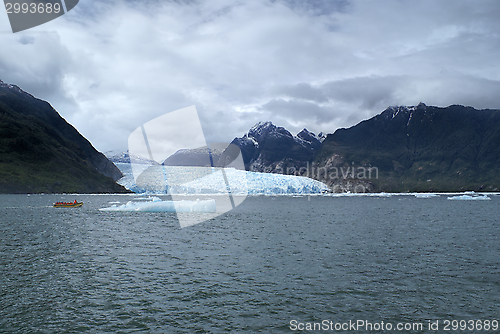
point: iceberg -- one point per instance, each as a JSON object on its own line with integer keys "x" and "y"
{"x": 425, "y": 195}
{"x": 382, "y": 194}
{"x": 469, "y": 198}
{"x": 155, "y": 204}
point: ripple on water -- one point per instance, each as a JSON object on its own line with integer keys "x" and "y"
{"x": 253, "y": 269}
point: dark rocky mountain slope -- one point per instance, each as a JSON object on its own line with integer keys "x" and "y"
{"x": 41, "y": 152}
{"x": 403, "y": 149}
{"x": 419, "y": 148}
{"x": 271, "y": 149}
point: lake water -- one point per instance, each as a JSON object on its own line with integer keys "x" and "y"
{"x": 269, "y": 262}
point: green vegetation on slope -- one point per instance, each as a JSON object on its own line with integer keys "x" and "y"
{"x": 41, "y": 152}
{"x": 422, "y": 149}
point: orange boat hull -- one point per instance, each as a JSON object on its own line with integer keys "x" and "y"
{"x": 68, "y": 205}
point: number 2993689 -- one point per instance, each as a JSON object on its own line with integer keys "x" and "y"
{"x": 33, "y": 8}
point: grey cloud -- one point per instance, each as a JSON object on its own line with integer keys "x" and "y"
{"x": 113, "y": 65}
{"x": 318, "y": 7}
{"x": 456, "y": 88}
{"x": 368, "y": 92}
{"x": 37, "y": 63}
{"x": 303, "y": 91}
{"x": 365, "y": 92}
{"x": 24, "y": 39}
{"x": 299, "y": 110}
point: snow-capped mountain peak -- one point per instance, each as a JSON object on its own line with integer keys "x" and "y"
{"x": 266, "y": 146}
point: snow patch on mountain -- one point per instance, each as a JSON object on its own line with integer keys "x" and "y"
{"x": 124, "y": 157}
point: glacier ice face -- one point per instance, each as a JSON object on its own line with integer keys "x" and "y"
{"x": 240, "y": 182}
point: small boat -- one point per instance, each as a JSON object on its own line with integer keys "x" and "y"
{"x": 74, "y": 204}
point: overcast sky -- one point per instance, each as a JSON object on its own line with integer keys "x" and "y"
{"x": 109, "y": 66}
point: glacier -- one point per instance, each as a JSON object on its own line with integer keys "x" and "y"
{"x": 240, "y": 182}
{"x": 251, "y": 183}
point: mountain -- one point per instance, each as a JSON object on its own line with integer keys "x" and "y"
{"x": 403, "y": 149}
{"x": 41, "y": 152}
{"x": 418, "y": 148}
{"x": 201, "y": 157}
{"x": 125, "y": 158}
{"x": 272, "y": 149}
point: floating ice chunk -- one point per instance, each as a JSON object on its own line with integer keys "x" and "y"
{"x": 382, "y": 194}
{"x": 419, "y": 195}
{"x": 157, "y": 205}
{"x": 469, "y": 198}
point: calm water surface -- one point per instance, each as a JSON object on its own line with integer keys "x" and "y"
{"x": 270, "y": 261}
